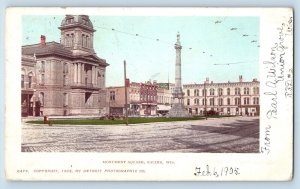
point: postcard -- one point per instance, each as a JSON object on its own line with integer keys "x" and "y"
{"x": 149, "y": 94}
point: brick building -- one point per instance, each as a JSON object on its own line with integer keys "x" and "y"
{"x": 141, "y": 98}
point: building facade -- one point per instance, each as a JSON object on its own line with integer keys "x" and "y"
{"x": 231, "y": 98}
{"x": 66, "y": 78}
{"x": 148, "y": 92}
{"x": 164, "y": 97}
{"x": 141, "y": 99}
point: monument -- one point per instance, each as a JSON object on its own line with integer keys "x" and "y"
{"x": 178, "y": 109}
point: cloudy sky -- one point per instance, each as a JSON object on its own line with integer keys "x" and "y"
{"x": 221, "y": 48}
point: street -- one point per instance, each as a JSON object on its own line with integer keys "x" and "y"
{"x": 223, "y": 135}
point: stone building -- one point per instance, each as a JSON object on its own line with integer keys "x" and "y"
{"x": 66, "y": 78}
{"x": 231, "y": 98}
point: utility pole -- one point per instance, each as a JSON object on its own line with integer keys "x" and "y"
{"x": 125, "y": 84}
{"x": 205, "y": 103}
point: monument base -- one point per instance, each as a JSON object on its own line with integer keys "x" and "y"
{"x": 178, "y": 110}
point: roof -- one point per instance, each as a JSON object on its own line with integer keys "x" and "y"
{"x": 54, "y": 48}
{"x": 49, "y": 48}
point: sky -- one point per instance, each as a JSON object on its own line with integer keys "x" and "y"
{"x": 209, "y": 45}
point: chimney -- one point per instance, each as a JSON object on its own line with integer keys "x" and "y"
{"x": 241, "y": 78}
{"x": 43, "y": 40}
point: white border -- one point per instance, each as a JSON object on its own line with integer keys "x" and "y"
{"x": 275, "y": 166}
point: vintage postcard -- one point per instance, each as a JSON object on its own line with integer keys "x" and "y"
{"x": 149, "y": 94}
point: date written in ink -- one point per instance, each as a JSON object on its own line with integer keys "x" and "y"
{"x": 207, "y": 171}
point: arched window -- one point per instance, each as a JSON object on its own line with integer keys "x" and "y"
{"x": 228, "y": 91}
{"x": 246, "y": 100}
{"x": 228, "y": 101}
{"x": 220, "y": 91}
{"x": 237, "y": 91}
{"x": 212, "y": 92}
{"x": 246, "y": 91}
{"x": 196, "y": 101}
{"x": 237, "y": 101}
{"x": 195, "y": 92}
{"x": 68, "y": 41}
{"x": 221, "y": 102}
{"x": 256, "y": 100}
{"x": 188, "y": 92}
{"x": 72, "y": 39}
{"x": 188, "y": 102}
{"x": 65, "y": 68}
{"x": 203, "y": 102}
{"x": 204, "y": 91}
{"x": 86, "y": 41}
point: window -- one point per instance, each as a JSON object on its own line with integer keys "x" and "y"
{"x": 43, "y": 66}
{"x": 83, "y": 40}
{"x": 188, "y": 102}
{"x": 256, "y": 100}
{"x": 204, "y": 92}
{"x": 246, "y": 100}
{"x": 196, "y": 101}
{"x": 220, "y": 91}
{"x": 42, "y": 79}
{"x": 29, "y": 81}
{"x": 221, "y": 101}
{"x": 237, "y": 101}
{"x": 211, "y": 101}
{"x": 237, "y": 91}
{"x": 228, "y": 110}
{"x": 212, "y": 92}
{"x": 72, "y": 40}
{"x": 228, "y": 91}
{"x": 112, "y": 96}
{"x": 228, "y": 101}
{"x": 188, "y": 92}
{"x": 246, "y": 91}
{"x": 22, "y": 81}
{"x": 68, "y": 40}
{"x": 65, "y": 68}
{"x": 87, "y": 41}
{"x": 255, "y": 90}
{"x": 65, "y": 80}
{"x": 203, "y": 102}
{"x": 196, "y": 92}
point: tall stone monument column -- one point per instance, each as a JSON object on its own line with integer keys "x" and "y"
{"x": 178, "y": 109}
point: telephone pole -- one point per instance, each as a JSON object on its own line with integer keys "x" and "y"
{"x": 125, "y": 85}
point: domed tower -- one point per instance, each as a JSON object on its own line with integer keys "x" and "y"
{"x": 77, "y": 34}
